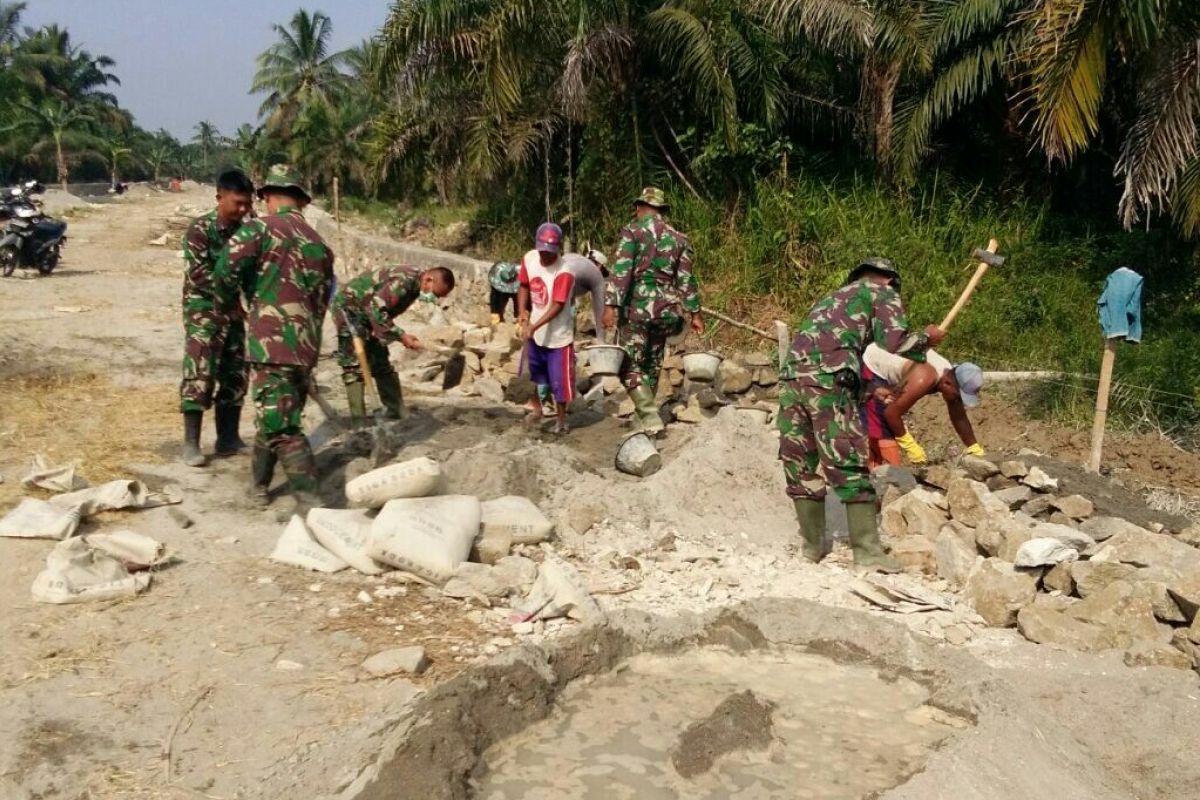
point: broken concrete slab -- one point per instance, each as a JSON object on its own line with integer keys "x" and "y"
{"x": 998, "y": 590}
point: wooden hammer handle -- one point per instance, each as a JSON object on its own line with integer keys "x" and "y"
{"x": 966, "y": 295}
{"x": 360, "y": 351}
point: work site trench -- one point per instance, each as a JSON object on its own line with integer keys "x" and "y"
{"x": 784, "y": 698}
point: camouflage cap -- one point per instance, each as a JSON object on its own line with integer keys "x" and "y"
{"x": 654, "y": 197}
{"x": 874, "y": 264}
{"x": 280, "y": 176}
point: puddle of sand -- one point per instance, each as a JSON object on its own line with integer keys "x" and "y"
{"x": 839, "y": 732}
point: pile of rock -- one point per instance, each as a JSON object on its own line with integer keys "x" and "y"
{"x": 1046, "y": 564}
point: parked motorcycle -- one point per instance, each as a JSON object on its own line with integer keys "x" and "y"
{"x": 30, "y": 239}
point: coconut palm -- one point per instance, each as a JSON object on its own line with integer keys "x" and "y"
{"x": 207, "y": 138}
{"x": 161, "y": 149}
{"x": 115, "y": 149}
{"x": 298, "y": 70}
{"x": 53, "y": 125}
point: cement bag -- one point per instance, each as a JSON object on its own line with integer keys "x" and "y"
{"x": 60, "y": 478}
{"x": 345, "y": 534}
{"x": 427, "y": 536}
{"x": 77, "y": 573}
{"x": 37, "y": 519}
{"x": 559, "y": 591}
{"x": 419, "y": 477}
{"x": 296, "y": 548}
{"x": 518, "y": 516}
{"x": 112, "y": 496}
{"x": 135, "y": 551}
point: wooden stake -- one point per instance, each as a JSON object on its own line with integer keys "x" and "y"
{"x": 337, "y": 203}
{"x": 1106, "y": 369}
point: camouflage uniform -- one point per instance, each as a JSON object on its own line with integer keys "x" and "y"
{"x": 652, "y": 285}
{"x": 285, "y": 271}
{"x": 819, "y": 419}
{"x": 369, "y": 304}
{"x": 213, "y": 352}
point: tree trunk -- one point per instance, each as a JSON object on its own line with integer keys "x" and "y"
{"x": 114, "y": 174}
{"x": 546, "y": 174}
{"x": 882, "y": 77}
{"x": 60, "y": 161}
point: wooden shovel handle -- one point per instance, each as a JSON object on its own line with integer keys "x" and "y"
{"x": 965, "y": 297}
{"x": 360, "y": 350}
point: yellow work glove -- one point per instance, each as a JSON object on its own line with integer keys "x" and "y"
{"x": 976, "y": 450}
{"x": 914, "y": 451}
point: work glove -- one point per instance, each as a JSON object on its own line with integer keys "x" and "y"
{"x": 914, "y": 451}
{"x": 976, "y": 450}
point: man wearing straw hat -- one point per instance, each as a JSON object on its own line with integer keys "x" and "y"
{"x": 649, "y": 296}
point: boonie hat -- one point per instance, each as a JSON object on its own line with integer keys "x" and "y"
{"x": 548, "y": 238}
{"x": 654, "y": 197}
{"x": 281, "y": 176}
{"x": 875, "y": 264}
{"x": 970, "y": 383}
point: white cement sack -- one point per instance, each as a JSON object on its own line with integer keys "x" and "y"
{"x": 76, "y": 572}
{"x": 559, "y": 591}
{"x": 54, "y": 479}
{"x": 523, "y": 520}
{"x": 345, "y": 534}
{"x": 296, "y": 548}
{"x": 37, "y": 519}
{"x": 134, "y": 550}
{"x": 419, "y": 477}
{"x": 112, "y": 496}
{"x": 428, "y": 536}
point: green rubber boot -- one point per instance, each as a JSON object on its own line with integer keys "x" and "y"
{"x": 229, "y": 441}
{"x": 262, "y": 468}
{"x": 356, "y": 398}
{"x": 647, "y": 410}
{"x": 301, "y": 470}
{"x": 390, "y": 395}
{"x": 811, "y": 516}
{"x": 864, "y": 540}
{"x": 192, "y": 422}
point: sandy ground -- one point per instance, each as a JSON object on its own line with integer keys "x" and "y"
{"x": 254, "y": 666}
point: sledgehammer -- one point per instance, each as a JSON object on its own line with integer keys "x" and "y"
{"x": 987, "y": 258}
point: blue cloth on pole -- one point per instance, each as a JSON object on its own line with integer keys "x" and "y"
{"x": 1120, "y": 306}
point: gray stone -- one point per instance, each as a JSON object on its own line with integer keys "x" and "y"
{"x": 1048, "y": 625}
{"x": 1126, "y": 610}
{"x": 1042, "y": 552}
{"x": 937, "y": 476}
{"x": 492, "y": 544}
{"x": 1144, "y": 549}
{"x": 1065, "y": 534}
{"x": 1059, "y": 518}
{"x": 407, "y": 660}
{"x": 997, "y": 591}
{"x": 1058, "y": 579}
{"x": 1185, "y": 590}
{"x": 1038, "y": 505}
{"x": 734, "y": 377}
{"x": 979, "y": 469}
{"x": 755, "y": 359}
{"x": 1013, "y": 469}
{"x": 916, "y": 554}
{"x": 1014, "y": 497}
{"x": 1039, "y": 481}
{"x": 692, "y": 412}
{"x": 1075, "y": 506}
{"x": 1092, "y": 576}
{"x": 971, "y": 502}
{"x": 1015, "y": 536}
{"x": 1156, "y": 654}
{"x": 1190, "y": 535}
{"x": 921, "y": 518}
{"x": 955, "y": 558}
{"x": 998, "y": 482}
{"x": 1104, "y": 528}
{"x": 890, "y": 475}
{"x": 490, "y": 390}
{"x": 994, "y": 532}
{"x": 766, "y": 376}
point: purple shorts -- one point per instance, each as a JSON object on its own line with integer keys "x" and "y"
{"x": 554, "y": 366}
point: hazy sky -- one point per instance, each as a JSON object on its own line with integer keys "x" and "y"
{"x": 181, "y": 61}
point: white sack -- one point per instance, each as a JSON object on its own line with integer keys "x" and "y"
{"x": 55, "y": 479}
{"x": 133, "y": 550}
{"x": 428, "y": 536}
{"x": 112, "y": 496}
{"x": 419, "y": 477}
{"x": 345, "y": 534}
{"x": 76, "y": 573}
{"x": 518, "y": 516}
{"x": 296, "y": 548}
{"x": 559, "y": 591}
{"x": 38, "y": 519}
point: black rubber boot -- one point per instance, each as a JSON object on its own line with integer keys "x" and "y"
{"x": 356, "y": 399}
{"x": 811, "y": 516}
{"x": 263, "y": 470}
{"x": 192, "y": 422}
{"x": 390, "y": 395}
{"x": 229, "y": 441}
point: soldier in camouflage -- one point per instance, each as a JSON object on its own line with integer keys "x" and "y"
{"x": 214, "y": 366}
{"x": 649, "y": 296}
{"x": 367, "y": 306}
{"x": 819, "y": 420}
{"x": 285, "y": 271}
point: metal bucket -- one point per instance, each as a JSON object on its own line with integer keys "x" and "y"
{"x": 638, "y": 456}
{"x": 605, "y": 359}
{"x": 701, "y": 367}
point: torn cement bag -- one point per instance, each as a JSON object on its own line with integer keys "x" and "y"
{"x": 559, "y": 591}
{"x": 345, "y": 534}
{"x": 296, "y": 548}
{"x": 38, "y": 519}
{"x": 419, "y": 477}
{"x": 135, "y": 551}
{"x": 54, "y": 479}
{"x": 77, "y": 572}
{"x": 112, "y": 496}
{"x": 427, "y": 536}
{"x": 518, "y": 516}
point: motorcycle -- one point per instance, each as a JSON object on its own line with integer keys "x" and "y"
{"x": 30, "y": 239}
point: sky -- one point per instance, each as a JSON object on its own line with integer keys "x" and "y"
{"x": 181, "y": 61}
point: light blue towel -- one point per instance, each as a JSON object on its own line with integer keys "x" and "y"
{"x": 1121, "y": 306}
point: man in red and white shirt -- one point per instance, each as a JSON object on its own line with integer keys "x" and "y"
{"x": 546, "y": 311}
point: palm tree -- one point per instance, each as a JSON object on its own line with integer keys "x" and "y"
{"x": 160, "y": 150}
{"x": 298, "y": 70}
{"x": 10, "y": 33}
{"x": 208, "y": 139}
{"x": 53, "y": 125}
{"x": 114, "y": 149}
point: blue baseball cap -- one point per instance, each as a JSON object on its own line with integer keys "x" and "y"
{"x": 548, "y": 239}
{"x": 970, "y": 382}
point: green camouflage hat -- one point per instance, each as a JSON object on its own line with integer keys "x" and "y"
{"x": 875, "y": 264}
{"x": 653, "y": 197}
{"x": 280, "y": 176}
